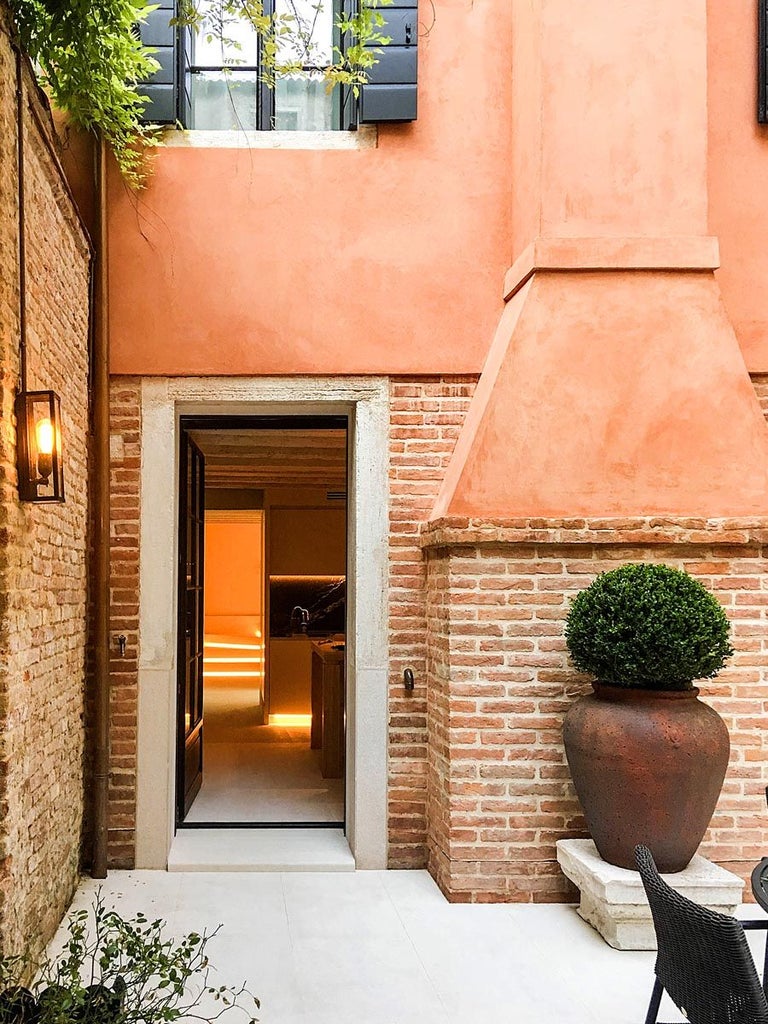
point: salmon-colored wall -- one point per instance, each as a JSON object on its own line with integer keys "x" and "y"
{"x": 378, "y": 260}
{"x": 610, "y": 119}
{"x": 738, "y": 171}
{"x": 233, "y": 572}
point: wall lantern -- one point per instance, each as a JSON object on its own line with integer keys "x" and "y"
{"x": 38, "y": 446}
{"x": 38, "y": 413}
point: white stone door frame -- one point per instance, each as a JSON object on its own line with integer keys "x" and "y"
{"x": 366, "y": 402}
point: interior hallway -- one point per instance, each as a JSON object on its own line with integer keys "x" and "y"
{"x": 259, "y": 773}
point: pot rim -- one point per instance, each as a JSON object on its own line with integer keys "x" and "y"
{"x": 605, "y": 691}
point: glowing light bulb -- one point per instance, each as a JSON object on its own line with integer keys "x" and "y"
{"x": 44, "y": 435}
{"x": 44, "y": 432}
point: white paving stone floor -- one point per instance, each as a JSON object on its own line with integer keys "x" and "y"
{"x": 385, "y": 947}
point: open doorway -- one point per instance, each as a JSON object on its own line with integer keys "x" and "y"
{"x": 262, "y": 613}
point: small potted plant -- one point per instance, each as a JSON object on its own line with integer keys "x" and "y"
{"x": 116, "y": 970}
{"x": 647, "y": 757}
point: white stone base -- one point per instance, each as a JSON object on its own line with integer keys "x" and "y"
{"x": 613, "y": 899}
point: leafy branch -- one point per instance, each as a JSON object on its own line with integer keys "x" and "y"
{"x": 288, "y": 38}
{"x": 89, "y": 58}
{"x": 114, "y": 970}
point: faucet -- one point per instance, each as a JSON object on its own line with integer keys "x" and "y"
{"x": 299, "y": 619}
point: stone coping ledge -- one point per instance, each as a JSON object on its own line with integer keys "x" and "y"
{"x": 460, "y": 532}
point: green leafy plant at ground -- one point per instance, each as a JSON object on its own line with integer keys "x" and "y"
{"x": 115, "y": 970}
{"x": 648, "y": 626}
{"x": 89, "y": 58}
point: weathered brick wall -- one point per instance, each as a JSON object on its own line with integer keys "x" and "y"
{"x": 125, "y": 470}
{"x": 760, "y": 383}
{"x": 499, "y": 671}
{"x": 42, "y": 548}
{"x": 426, "y": 416}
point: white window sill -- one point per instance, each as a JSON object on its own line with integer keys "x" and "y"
{"x": 366, "y": 137}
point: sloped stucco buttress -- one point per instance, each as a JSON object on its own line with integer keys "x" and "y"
{"x": 615, "y": 419}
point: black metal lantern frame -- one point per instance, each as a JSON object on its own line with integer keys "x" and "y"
{"x": 38, "y": 446}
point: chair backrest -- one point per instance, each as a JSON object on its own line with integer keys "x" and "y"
{"x": 703, "y": 960}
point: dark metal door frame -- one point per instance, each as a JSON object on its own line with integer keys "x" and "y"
{"x": 184, "y": 795}
{"x": 191, "y": 626}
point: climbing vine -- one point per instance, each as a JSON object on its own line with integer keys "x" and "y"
{"x": 288, "y": 38}
{"x": 89, "y": 57}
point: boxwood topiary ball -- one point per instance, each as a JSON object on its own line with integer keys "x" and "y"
{"x": 647, "y": 626}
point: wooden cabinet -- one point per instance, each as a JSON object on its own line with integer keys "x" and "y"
{"x": 327, "y": 734}
{"x": 289, "y": 674}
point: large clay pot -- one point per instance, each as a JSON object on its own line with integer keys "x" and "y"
{"x": 648, "y": 766}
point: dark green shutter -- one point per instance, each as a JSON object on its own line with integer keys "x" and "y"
{"x": 162, "y": 88}
{"x": 390, "y": 93}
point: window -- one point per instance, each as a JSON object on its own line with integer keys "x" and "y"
{"x": 213, "y": 85}
{"x": 225, "y": 88}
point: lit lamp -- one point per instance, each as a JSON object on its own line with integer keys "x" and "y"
{"x": 40, "y": 464}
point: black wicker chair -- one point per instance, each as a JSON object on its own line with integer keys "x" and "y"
{"x": 703, "y": 959}
{"x": 760, "y": 883}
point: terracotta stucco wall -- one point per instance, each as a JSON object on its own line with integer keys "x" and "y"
{"x": 737, "y": 165}
{"x": 379, "y": 260}
{"x": 42, "y": 548}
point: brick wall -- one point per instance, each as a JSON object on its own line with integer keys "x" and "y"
{"x": 500, "y": 682}
{"x": 426, "y": 416}
{"x": 125, "y": 452}
{"x": 760, "y": 383}
{"x": 42, "y": 548}
{"x": 425, "y": 419}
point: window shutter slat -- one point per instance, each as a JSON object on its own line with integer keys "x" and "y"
{"x": 161, "y": 89}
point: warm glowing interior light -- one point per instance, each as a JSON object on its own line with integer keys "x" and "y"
{"x": 44, "y": 433}
{"x": 289, "y": 720}
{"x": 229, "y": 675}
{"x": 234, "y": 647}
{"x": 253, "y": 660}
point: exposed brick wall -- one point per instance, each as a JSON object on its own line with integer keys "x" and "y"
{"x": 426, "y": 416}
{"x": 760, "y": 382}
{"x": 42, "y": 548}
{"x": 125, "y": 452}
{"x": 500, "y": 682}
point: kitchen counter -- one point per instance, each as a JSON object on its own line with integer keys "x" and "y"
{"x": 327, "y": 736}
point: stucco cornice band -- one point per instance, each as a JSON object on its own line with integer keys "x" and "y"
{"x": 674, "y": 253}
{"x": 457, "y": 532}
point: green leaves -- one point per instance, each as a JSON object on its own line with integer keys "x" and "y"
{"x": 89, "y": 57}
{"x": 287, "y": 38}
{"x": 116, "y": 970}
{"x": 648, "y": 626}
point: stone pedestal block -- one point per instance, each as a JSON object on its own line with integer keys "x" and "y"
{"x": 613, "y": 900}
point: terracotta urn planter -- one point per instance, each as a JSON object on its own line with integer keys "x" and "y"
{"x": 648, "y": 767}
{"x": 647, "y": 757}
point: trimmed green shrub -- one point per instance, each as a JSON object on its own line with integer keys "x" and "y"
{"x": 647, "y": 626}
